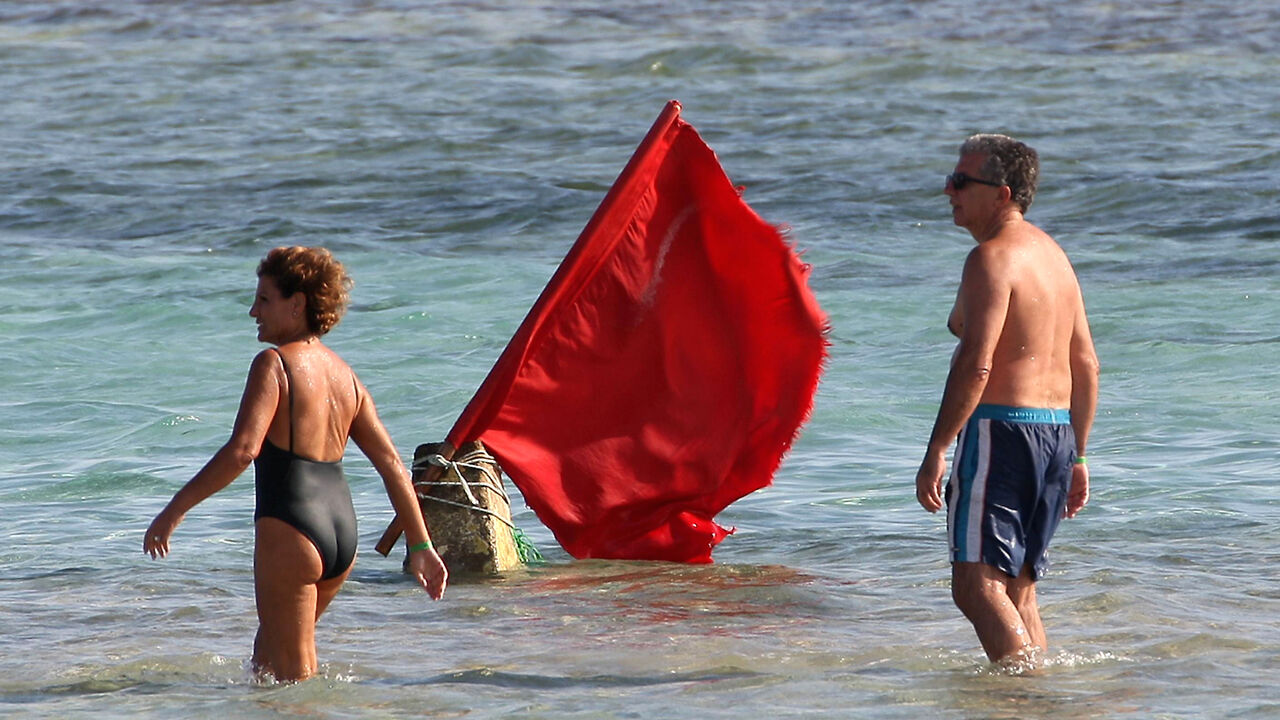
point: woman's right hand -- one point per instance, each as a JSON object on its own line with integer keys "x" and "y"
{"x": 430, "y": 571}
{"x": 156, "y": 543}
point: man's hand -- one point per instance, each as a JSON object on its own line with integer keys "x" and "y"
{"x": 929, "y": 481}
{"x": 1078, "y": 495}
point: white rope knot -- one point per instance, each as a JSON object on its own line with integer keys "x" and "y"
{"x": 455, "y": 468}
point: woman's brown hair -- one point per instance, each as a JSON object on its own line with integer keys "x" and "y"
{"x": 315, "y": 273}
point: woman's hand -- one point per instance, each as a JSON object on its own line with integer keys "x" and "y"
{"x": 156, "y": 543}
{"x": 430, "y": 571}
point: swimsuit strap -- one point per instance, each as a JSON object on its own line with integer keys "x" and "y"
{"x": 284, "y": 366}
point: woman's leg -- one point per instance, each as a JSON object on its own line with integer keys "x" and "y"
{"x": 290, "y": 597}
{"x": 326, "y": 590}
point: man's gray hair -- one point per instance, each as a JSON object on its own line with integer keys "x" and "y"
{"x": 1008, "y": 162}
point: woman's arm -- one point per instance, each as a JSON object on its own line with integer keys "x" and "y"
{"x": 257, "y": 409}
{"x": 371, "y": 436}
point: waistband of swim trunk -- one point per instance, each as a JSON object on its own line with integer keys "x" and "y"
{"x": 1047, "y": 416}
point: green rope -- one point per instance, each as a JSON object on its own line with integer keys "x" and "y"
{"x": 525, "y": 549}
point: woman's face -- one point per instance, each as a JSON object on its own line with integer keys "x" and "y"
{"x": 279, "y": 318}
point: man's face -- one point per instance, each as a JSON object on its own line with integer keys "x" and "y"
{"x": 974, "y": 203}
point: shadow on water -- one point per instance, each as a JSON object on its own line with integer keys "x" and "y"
{"x": 657, "y": 592}
{"x": 488, "y": 676}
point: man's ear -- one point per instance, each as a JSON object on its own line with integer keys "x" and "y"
{"x": 1006, "y": 193}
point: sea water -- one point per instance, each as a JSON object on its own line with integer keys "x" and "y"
{"x": 449, "y": 153}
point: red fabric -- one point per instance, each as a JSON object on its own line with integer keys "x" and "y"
{"x": 665, "y": 369}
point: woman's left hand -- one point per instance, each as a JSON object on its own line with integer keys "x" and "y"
{"x": 430, "y": 571}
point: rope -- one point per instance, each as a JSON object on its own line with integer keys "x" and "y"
{"x": 525, "y": 548}
{"x": 470, "y": 461}
{"x": 476, "y": 508}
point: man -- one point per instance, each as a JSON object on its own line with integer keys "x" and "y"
{"x": 1020, "y": 396}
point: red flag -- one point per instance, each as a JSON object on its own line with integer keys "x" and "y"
{"x": 665, "y": 369}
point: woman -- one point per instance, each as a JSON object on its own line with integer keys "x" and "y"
{"x": 301, "y": 403}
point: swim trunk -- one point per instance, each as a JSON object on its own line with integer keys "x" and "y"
{"x": 1008, "y": 486}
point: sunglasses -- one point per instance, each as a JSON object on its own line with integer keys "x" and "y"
{"x": 959, "y": 180}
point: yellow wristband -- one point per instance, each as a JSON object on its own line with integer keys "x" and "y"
{"x": 425, "y": 545}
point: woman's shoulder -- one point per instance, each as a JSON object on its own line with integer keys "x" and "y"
{"x": 314, "y": 358}
{"x": 267, "y": 360}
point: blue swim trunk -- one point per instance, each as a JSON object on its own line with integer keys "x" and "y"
{"x": 1008, "y": 486}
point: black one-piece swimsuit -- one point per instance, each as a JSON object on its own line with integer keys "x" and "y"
{"x": 309, "y": 495}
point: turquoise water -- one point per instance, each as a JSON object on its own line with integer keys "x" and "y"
{"x": 450, "y": 153}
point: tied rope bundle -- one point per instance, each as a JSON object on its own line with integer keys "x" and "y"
{"x": 480, "y": 461}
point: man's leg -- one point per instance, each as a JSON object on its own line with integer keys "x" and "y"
{"x": 1022, "y": 591}
{"x": 983, "y": 594}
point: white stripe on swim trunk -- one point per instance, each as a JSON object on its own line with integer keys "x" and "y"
{"x": 954, "y": 500}
{"x": 978, "y": 497}
{"x": 972, "y": 545}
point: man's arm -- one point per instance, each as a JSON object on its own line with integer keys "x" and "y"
{"x": 984, "y": 297}
{"x": 1084, "y": 404}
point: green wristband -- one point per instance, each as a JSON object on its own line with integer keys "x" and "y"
{"x": 1081, "y": 460}
{"x": 425, "y": 545}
